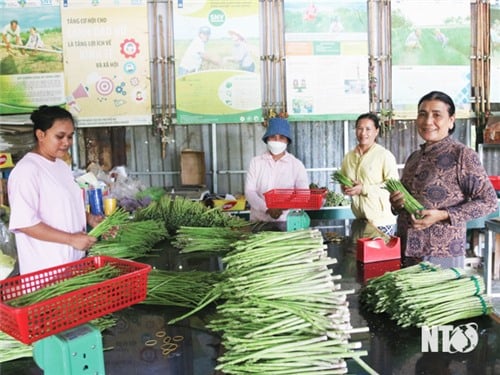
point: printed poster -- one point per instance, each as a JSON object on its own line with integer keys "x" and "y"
{"x": 217, "y": 61}
{"x": 106, "y": 62}
{"x": 495, "y": 53}
{"x": 326, "y": 59}
{"x": 430, "y": 51}
{"x": 31, "y": 56}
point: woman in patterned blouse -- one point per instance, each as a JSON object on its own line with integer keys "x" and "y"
{"x": 448, "y": 179}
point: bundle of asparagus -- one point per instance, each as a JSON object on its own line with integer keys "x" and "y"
{"x": 426, "y": 295}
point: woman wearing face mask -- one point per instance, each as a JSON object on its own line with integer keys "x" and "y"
{"x": 274, "y": 169}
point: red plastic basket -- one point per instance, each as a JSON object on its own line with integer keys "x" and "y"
{"x": 305, "y": 199}
{"x": 495, "y": 181}
{"x": 34, "y": 322}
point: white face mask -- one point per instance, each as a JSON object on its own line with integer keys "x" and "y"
{"x": 276, "y": 147}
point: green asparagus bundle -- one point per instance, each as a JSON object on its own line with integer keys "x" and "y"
{"x": 411, "y": 205}
{"x": 283, "y": 310}
{"x": 425, "y": 294}
{"x": 77, "y": 282}
{"x": 179, "y": 211}
{"x": 132, "y": 240}
{"x": 179, "y": 288}
{"x": 206, "y": 239}
{"x": 117, "y": 218}
{"x": 340, "y": 178}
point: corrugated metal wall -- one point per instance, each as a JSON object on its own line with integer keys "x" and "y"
{"x": 228, "y": 149}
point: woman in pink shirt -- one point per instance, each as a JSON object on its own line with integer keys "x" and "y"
{"x": 48, "y": 214}
{"x": 274, "y": 169}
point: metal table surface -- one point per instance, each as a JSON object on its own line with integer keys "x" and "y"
{"x": 391, "y": 349}
{"x": 491, "y": 261}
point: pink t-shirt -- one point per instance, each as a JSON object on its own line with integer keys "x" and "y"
{"x": 45, "y": 191}
{"x": 265, "y": 174}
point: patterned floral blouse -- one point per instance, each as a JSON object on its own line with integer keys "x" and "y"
{"x": 446, "y": 175}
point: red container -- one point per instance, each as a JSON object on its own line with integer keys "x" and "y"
{"x": 367, "y": 271}
{"x": 495, "y": 181}
{"x": 34, "y": 322}
{"x": 376, "y": 250}
{"x": 307, "y": 199}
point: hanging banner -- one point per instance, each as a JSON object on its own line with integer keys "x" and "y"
{"x": 217, "y": 49}
{"x": 326, "y": 59}
{"x": 106, "y": 62}
{"x": 430, "y": 51}
{"x": 31, "y": 60}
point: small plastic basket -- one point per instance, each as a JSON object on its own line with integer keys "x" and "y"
{"x": 34, "y": 322}
{"x": 307, "y": 199}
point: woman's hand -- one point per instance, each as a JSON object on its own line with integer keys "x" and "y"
{"x": 275, "y": 213}
{"x": 397, "y": 200}
{"x": 355, "y": 190}
{"x": 93, "y": 220}
{"x": 81, "y": 241}
{"x": 429, "y": 218}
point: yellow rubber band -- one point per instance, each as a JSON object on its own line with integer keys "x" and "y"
{"x": 161, "y": 334}
{"x": 151, "y": 343}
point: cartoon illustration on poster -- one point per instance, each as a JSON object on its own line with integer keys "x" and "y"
{"x": 31, "y": 58}
{"x": 217, "y": 51}
{"x": 326, "y": 57}
{"x": 430, "y": 51}
{"x": 107, "y": 62}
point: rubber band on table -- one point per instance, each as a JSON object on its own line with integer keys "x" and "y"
{"x": 167, "y": 339}
{"x": 161, "y": 334}
{"x": 167, "y": 352}
{"x": 177, "y": 338}
{"x": 151, "y": 342}
{"x": 171, "y": 346}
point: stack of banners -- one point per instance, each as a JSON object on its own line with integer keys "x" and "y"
{"x": 427, "y": 295}
{"x": 283, "y": 309}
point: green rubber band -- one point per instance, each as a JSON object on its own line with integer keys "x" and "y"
{"x": 423, "y": 266}
{"x": 476, "y": 283}
{"x": 456, "y": 272}
{"x": 483, "y": 304}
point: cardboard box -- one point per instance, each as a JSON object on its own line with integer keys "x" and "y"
{"x": 3, "y": 192}
{"x": 193, "y": 167}
{"x": 492, "y": 131}
{"x": 376, "y": 250}
{"x": 230, "y": 205}
{"x": 367, "y": 271}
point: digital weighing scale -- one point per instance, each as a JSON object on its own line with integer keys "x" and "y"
{"x": 76, "y": 351}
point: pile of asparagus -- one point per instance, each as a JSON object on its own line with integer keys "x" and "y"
{"x": 426, "y": 295}
{"x": 283, "y": 311}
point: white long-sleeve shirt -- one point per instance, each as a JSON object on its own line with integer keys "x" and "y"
{"x": 264, "y": 174}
